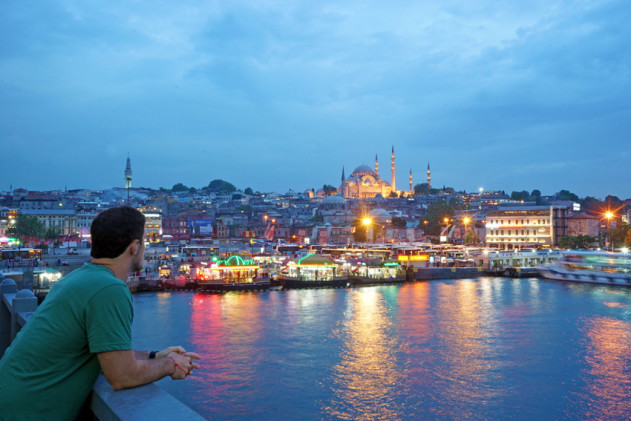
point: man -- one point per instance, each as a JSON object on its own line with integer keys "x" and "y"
{"x": 83, "y": 327}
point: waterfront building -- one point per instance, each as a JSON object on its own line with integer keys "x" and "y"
{"x": 514, "y": 227}
{"x": 153, "y": 223}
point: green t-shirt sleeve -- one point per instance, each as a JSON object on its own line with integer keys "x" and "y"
{"x": 109, "y": 318}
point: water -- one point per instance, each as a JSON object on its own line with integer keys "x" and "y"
{"x": 487, "y": 348}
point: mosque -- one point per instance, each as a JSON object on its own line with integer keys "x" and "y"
{"x": 365, "y": 183}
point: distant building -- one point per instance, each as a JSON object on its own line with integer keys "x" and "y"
{"x": 63, "y": 219}
{"x": 582, "y": 224}
{"x": 515, "y": 227}
{"x": 153, "y": 223}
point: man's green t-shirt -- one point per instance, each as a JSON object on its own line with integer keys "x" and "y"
{"x": 51, "y": 366}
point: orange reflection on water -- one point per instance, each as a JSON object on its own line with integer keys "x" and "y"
{"x": 609, "y": 360}
{"x": 465, "y": 350}
{"x": 225, "y": 332}
{"x": 367, "y": 377}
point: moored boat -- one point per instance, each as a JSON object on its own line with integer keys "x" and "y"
{"x": 590, "y": 267}
{"x": 232, "y": 274}
{"x": 311, "y": 271}
{"x": 378, "y": 272}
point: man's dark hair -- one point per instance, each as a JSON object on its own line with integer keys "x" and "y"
{"x": 114, "y": 229}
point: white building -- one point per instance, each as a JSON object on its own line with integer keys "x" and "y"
{"x": 509, "y": 228}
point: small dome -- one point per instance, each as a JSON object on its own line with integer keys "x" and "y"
{"x": 334, "y": 200}
{"x": 380, "y": 215}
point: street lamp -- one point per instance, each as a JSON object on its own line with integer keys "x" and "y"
{"x": 465, "y": 221}
{"x": 367, "y": 222}
{"x": 609, "y": 215}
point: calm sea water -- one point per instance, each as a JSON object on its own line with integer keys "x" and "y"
{"x": 487, "y": 348}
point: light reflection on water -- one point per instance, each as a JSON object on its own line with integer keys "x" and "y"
{"x": 462, "y": 349}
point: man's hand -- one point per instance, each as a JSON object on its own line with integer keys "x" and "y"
{"x": 183, "y": 364}
{"x": 169, "y": 350}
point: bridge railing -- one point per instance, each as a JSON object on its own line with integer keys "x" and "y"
{"x": 140, "y": 403}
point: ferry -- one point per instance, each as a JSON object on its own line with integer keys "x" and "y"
{"x": 379, "y": 272}
{"x": 311, "y": 271}
{"x": 590, "y": 267}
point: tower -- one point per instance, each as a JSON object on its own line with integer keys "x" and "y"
{"x": 128, "y": 174}
{"x": 411, "y": 184}
{"x": 394, "y": 188}
{"x": 429, "y": 178}
{"x": 376, "y": 164}
{"x": 128, "y": 177}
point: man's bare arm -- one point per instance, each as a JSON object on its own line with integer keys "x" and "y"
{"x": 123, "y": 371}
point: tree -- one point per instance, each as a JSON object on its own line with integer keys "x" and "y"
{"x": 456, "y": 203}
{"x": 536, "y": 196}
{"x": 221, "y": 186}
{"x": 471, "y": 237}
{"x": 398, "y": 222}
{"x": 248, "y": 191}
{"x": 317, "y": 218}
{"x": 26, "y": 226}
{"x": 520, "y": 195}
{"x": 329, "y": 190}
{"x": 619, "y": 234}
{"x": 179, "y": 187}
{"x": 422, "y": 188}
{"x": 52, "y": 233}
{"x": 393, "y": 195}
{"x": 192, "y": 190}
{"x": 436, "y": 213}
{"x": 591, "y": 204}
{"x": 576, "y": 242}
{"x": 566, "y": 195}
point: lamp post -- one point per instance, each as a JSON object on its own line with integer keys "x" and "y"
{"x": 609, "y": 215}
{"x": 465, "y": 221}
{"x": 367, "y": 222}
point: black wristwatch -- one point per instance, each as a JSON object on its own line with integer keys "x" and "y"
{"x": 152, "y": 354}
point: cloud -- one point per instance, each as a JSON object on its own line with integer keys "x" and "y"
{"x": 280, "y": 94}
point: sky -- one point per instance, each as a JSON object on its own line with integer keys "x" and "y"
{"x": 279, "y": 95}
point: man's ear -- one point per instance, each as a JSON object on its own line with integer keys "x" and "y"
{"x": 134, "y": 247}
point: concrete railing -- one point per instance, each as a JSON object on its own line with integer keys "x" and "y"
{"x": 140, "y": 403}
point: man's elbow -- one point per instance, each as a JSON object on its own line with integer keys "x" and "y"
{"x": 118, "y": 383}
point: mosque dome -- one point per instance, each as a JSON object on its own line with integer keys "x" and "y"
{"x": 363, "y": 170}
{"x": 334, "y": 200}
{"x": 380, "y": 216}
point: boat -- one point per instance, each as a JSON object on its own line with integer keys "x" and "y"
{"x": 311, "y": 271}
{"x": 590, "y": 267}
{"x": 232, "y": 274}
{"x": 379, "y": 272}
{"x": 44, "y": 279}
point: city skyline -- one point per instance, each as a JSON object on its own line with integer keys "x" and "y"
{"x": 282, "y": 96}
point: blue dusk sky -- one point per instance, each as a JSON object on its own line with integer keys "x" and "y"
{"x": 279, "y": 95}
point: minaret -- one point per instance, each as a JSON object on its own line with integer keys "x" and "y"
{"x": 411, "y": 184}
{"x": 128, "y": 177}
{"x": 394, "y": 188}
{"x": 343, "y": 186}
{"x": 376, "y": 164}
{"x": 429, "y": 178}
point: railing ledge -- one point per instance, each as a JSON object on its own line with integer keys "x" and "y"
{"x": 148, "y": 402}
